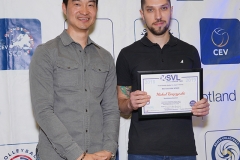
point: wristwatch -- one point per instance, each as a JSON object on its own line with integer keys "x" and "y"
{"x": 112, "y": 156}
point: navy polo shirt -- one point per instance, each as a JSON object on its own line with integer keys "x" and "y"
{"x": 164, "y": 136}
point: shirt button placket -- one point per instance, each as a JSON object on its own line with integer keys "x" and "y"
{"x": 86, "y": 75}
{"x": 162, "y": 59}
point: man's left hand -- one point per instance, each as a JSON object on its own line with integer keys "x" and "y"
{"x": 201, "y": 108}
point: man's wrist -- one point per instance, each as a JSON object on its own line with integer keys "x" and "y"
{"x": 129, "y": 105}
{"x": 112, "y": 155}
{"x": 83, "y": 155}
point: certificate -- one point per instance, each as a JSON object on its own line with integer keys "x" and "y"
{"x": 173, "y": 92}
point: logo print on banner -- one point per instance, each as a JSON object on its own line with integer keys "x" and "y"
{"x": 220, "y": 41}
{"x": 223, "y": 40}
{"x": 18, "y": 40}
{"x": 21, "y": 157}
{"x": 226, "y": 148}
{"x": 20, "y": 154}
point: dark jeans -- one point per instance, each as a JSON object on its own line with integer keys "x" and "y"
{"x": 38, "y": 158}
{"x": 37, "y": 155}
{"x": 156, "y": 157}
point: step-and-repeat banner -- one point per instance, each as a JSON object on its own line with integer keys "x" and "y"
{"x": 212, "y": 26}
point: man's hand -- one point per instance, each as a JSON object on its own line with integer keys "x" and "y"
{"x": 105, "y": 154}
{"x": 93, "y": 157}
{"x": 129, "y": 101}
{"x": 138, "y": 99}
{"x": 201, "y": 108}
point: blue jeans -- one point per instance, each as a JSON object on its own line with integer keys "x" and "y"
{"x": 156, "y": 157}
{"x": 38, "y": 158}
{"x": 37, "y": 155}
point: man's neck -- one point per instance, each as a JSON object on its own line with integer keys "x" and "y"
{"x": 160, "y": 40}
{"x": 80, "y": 37}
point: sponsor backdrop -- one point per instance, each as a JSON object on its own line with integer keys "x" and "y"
{"x": 213, "y": 27}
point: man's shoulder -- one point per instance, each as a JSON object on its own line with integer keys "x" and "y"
{"x": 132, "y": 48}
{"x": 51, "y": 43}
{"x": 184, "y": 44}
{"x": 49, "y": 48}
{"x": 183, "y": 47}
{"x": 102, "y": 51}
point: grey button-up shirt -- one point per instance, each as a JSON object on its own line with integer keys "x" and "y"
{"x": 74, "y": 99}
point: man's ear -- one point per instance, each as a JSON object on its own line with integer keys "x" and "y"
{"x": 141, "y": 13}
{"x": 64, "y": 9}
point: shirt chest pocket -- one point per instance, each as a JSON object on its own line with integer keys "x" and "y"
{"x": 99, "y": 74}
{"x": 67, "y": 74}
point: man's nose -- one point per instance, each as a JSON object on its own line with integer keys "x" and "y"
{"x": 158, "y": 14}
{"x": 84, "y": 10}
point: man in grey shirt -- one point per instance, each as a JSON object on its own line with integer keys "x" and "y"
{"x": 73, "y": 91}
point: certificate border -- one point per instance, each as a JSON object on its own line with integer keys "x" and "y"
{"x": 139, "y": 73}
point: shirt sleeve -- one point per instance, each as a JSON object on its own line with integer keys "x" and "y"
{"x": 196, "y": 58}
{"x": 42, "y": 97}
{"x": 123, "y": 70}
{"x": 111, "y": 113}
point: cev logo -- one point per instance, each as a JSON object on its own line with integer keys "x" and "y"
{"x": 219, "y": 37}
{"x": 220, "y": 41}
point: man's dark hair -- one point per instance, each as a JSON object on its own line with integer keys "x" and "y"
{"x": 66, "y": 2}
{"x": 143, "y": 2}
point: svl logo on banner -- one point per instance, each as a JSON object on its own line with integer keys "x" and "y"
{"x": 220, "y": 41}
{"x": 18, "y": 40}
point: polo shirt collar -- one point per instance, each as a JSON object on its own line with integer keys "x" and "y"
{"x": 67, "y": 40}
{"x": 172, "y": 41}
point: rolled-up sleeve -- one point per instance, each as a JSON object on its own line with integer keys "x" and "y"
{"x": 111, "y": 114}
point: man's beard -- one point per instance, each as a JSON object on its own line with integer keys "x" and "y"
{"x": 159, "y": 31}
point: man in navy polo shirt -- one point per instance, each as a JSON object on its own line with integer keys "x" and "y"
{"x": 162, "y": 138}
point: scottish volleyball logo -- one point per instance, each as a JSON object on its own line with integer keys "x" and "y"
{"x": 226, "y": 148}
{"x": 21, "y": 157}
{"x": 20, "y": 154}
{"x": 18, "y": 40}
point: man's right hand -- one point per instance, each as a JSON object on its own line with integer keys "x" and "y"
{"x": 129, "y": 101}
{"x": 92, "y": 157}
{"x": 138, "y": 99}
